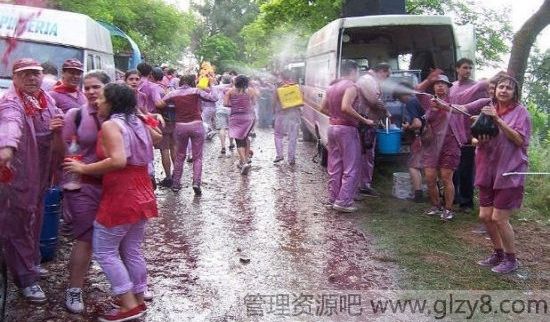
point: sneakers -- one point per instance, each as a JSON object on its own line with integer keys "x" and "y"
{"x": 481, "y": 230}
{"x": 42, "y": 271}
{"x": 245, "y": 169}
{"x": 223, "y": 151}
{"x": 148, "y": 296}
{"x": 492, "y": 260}
{"x": 166, "y": 182}
{"x": 189, "y": 160}
{"x": 506, "y": 266}
{"x": 278, "y": 159}
{"x": 118, "y": 316}
{"x": 73, "y": 300}
{"x": 343, "y": 208}
{"x": 231, "y": 146}
{"x": 447, "y": 215}
{"x": 34, "y": 294}
{"x": 434, "y": 211}
{"x": 368, "y": 191}
{"x": 197, "y": 189}
{"x": 328, "y": 205}
{"x": 211, "y": 135}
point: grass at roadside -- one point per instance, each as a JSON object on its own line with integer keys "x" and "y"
{"x": 439, "y": 255}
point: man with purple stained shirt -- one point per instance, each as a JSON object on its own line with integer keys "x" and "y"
{"x": 287, "y": 121}
{"x": 463, "y": 91}
{"x": 344, "y": 151}
{"x": 67, "y": 93}
{"x": 145, "y": 86}
{"x": 188, "y": 127}
{"x": 373, "y": 107}
{"x": 30, "y": 143}
{"x": 209, "y": 113}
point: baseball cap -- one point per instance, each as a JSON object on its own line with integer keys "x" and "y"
{"x": 73, "y": 64}
{"x": 444, "y": 79}
{"x": 26, "y": 64}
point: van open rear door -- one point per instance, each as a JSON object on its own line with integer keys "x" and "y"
{"x": 466, "y": 39}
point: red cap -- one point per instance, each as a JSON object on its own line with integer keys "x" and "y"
{"x": 26, "y": 64}
{"x": 73, "y": 64}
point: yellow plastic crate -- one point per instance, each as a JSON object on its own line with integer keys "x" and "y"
{"x": 290, "y": 96}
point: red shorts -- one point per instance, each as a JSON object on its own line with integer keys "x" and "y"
{"x": 509, "y": 198}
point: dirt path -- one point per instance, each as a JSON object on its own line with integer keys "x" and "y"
{"x": 264, "y": 234}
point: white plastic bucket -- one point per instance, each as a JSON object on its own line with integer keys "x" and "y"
{"x": 401, "y": 185}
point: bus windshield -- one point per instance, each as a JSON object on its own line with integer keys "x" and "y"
{"x": 55, "y": 54}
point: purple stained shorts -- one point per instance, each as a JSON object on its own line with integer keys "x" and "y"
{"x": 83, "y": 205}
{"x": 447, "y": 158}
{"x": 167, "y": 137}
{"x": 509, "y": 198}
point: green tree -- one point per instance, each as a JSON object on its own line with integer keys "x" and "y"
{"x": 301, "y": 18}
{"x": 537, "y": 79}
{"x": 220, "y": 50}
{"x": 160, "y": 30}
{"x": 493, "y": 29}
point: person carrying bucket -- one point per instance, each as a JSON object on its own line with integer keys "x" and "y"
{"x": 341, "y": 104}
{"x": 30, "y": 139}
{"x": 373, "y": 107}
{"x": 287, "y": 120}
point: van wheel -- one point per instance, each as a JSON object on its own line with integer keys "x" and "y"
{"x": 306, "y": 134}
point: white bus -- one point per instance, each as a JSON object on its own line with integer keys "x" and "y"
{"x": 410, "y": 44}
{"x": 52, "y": 36}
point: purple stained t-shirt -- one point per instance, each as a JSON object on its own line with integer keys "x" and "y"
{"x": 90, "y": 124}
{"x": 66, "y": 102}
{"x": 500, "y": 155}
{"x": 335, "y": 93}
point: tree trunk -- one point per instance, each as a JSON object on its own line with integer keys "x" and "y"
{"x": 524, "y": 39}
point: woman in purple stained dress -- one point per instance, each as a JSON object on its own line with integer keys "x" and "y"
{"x": 241, "y": 100}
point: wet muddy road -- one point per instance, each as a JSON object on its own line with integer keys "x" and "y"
{"x": 210, "y": 257}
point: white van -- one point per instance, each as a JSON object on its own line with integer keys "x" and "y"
{"x": 52, "y": 36}
{"x": 410, "y": 44}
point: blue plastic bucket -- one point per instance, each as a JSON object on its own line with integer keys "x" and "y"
{"x": 50, "y": 224}
{"x": 388, "y": 142}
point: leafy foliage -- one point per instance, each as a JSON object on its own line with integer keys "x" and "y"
{"x": 160, "y": 30}
{"x": 492, "y": 27}
{"x": 301, "y": 18}
{"x": 220, "y": 50}
{"x": 537, "y": 79}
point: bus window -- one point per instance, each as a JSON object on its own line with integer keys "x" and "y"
{"x": 98, "y": 64}
{"x": 90, "y": 62}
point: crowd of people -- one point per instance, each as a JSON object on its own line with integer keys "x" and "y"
{"x": 439, "y": 114}
{"x": 95, "y": 136}
{"x": 117, "y": 125}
